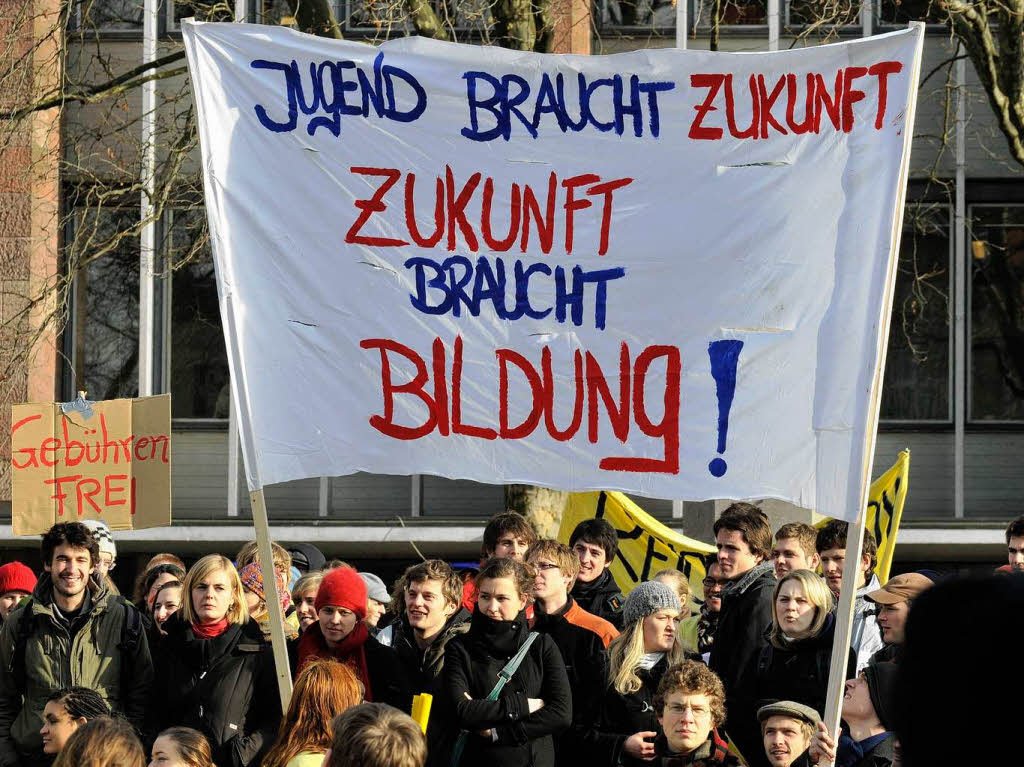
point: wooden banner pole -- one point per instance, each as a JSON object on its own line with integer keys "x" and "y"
{"x": 855, "y": 534}
{"x": 266, "y": 558}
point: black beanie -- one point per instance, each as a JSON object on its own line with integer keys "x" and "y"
{"x": 881, "y": 679}
{"x": 307, "y": 557}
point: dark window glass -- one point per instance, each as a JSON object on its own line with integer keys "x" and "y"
{"x": 199, "y": 365}
{"x": 825, "y": 14}
{"x": 743, "y": 13}
{"x": 900, "y": 12}
{"x": 647, "y": 14}
{"x": 997, "y": 313}
{"x": 917, "y": 365}
{"x": 111, "y": 15}
{"x": 104, "y": 252}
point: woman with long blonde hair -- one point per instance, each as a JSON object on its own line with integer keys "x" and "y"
{"x": 213, "y": 671}
{"x": 637, "y": 659}
{"x": 795, "y": 663}
{"x": 323, "y": 689}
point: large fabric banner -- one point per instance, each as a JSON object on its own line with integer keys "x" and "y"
{"x": 664, "y": 272}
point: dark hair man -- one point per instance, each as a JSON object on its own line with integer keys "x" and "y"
{"x": 690, "y": 702}
{"x": 714, "y": 584}
{"x": 507, "y": 535}
{"x": 831, "y": 545}
{"x": 581, "y": 638}
{"x": 794, "y": 548}
{"x": 68, "y": 609}
{"x": 787, "y": 729}
{"x": 595, "y": 543}
{"x": 1015, "y": 544}
{"x": 744, "y": 542}
{"x": 894, "y": 600}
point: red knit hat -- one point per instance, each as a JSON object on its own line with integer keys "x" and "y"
{"x": 14, "y": 576}
{"x": 342, "y": 587}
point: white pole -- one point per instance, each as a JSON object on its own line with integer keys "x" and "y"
{"x": 147, "y": 239}
{"x": 855, "y": 534}
{"x": 773, "y": 25}
{"x": 416, "y": 496}
{"x": 324, "y": 497}
{"x": 961, "y": 263}
{"x": 867, "y": 18}
{"x": 681, "y": 23}
{"x": 232, "y": 457}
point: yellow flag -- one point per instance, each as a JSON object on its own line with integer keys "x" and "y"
{"x": 645, "y": 544}
{"x": 885, "y": 509}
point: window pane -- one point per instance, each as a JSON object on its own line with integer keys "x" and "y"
{"x": 742, "y": 13}
{"x": 997, "y": 313}
{"x": 917, "y": 366}
{"x": 199, "y": 364}
{"x": 648, "y": 14}
{"x": 900, "y": 12}
{"x": 111, "y": 15}
{"x": 105, "y": 245}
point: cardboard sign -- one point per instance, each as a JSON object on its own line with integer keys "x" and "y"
{"x": 101, "y": 460}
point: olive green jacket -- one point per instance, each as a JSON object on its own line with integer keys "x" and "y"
{"x": 53, "y": 660}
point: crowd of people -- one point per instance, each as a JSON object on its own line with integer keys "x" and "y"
{"x": 537, "y": 659}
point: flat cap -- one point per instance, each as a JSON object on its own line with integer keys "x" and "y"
{"x": 901, "y": 588}
{"x": 791, "y": 709}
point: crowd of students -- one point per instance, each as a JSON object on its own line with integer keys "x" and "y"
{"x": 537, "y": 660}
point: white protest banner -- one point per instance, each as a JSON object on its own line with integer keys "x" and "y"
{"x": 663, "y": 272}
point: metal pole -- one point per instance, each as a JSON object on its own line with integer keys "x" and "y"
{"x": 682, "y": 20}
{"x": 867, "y": 18}
{"x": 773, "y": 25}
{"x": 147, "y": 239}
{"x": 961, "y": 263}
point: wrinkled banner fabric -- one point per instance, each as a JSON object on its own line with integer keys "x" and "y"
{"x": 663, "y": 272}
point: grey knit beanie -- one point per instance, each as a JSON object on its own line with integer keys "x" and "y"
{"x": 647, "y": 598}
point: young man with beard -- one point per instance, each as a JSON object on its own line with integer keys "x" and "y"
{"x": 690, "y": 702}
{"x": 744, "y": 542}
{"x": 595, "y": 543}
{"x": 865, "y": 638}
{"x": 72, "y": 632}
{"x": 582, "y": 639}
{"x": 787, "y": 728}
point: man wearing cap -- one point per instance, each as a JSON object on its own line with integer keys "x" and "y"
{"x": 894, "y": 600}
{"x": 377, "y": 599}
{"x": 787, "y": 728}
{"x": 16, "y": 582}
{"x": 869, "y": 713}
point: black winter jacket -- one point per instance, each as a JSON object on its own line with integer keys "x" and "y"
{"x": 586, "y": 666}
{"x": 800, "y": 672}
{"x": 601, "y": 597}
{"x": 625, "y": 715}
{"x": 224, "y": 687}
{"x": 422, "y": 668}
{"x": 471, "y": 665}
{"x": 746, "y": 614}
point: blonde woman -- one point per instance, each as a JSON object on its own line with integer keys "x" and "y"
{"x": 637, "y": 659}
{"x": 214, "y": 672}
{"x": 304, "y": 598}
{"x": 795, "y": 664}
{"x": 688, "y": 619}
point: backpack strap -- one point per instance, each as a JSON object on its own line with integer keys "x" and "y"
{"x": 25, "y": 625}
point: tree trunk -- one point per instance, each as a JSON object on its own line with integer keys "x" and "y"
{"x": 514, "y": 25}
{"x": 316, "y": 17}
{"x": 542, "y": 506}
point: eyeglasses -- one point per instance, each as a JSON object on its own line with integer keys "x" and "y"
{"x": 712, "y": 582}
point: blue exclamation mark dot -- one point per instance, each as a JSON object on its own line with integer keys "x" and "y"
{"x": 724, "y": 356}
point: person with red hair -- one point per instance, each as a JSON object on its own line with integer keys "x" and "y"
{"x": 341, "y": 633}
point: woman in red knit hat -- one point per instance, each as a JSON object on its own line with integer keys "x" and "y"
{"x": 340, "y": 633}
{"x": 16, "y": 582}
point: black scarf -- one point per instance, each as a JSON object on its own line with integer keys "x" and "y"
{"x": 499, "y": 639}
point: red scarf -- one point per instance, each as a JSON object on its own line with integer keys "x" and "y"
{"x": 349, "y": 650}
{"x": 210, "y": 630}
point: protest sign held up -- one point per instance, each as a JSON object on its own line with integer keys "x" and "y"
{"x": 91, "y": 460}
{"x": 664, "y": 272}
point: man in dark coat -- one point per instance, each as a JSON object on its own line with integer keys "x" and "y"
{"x": 595, "y": 542}
{"x": 869, "y": 711}
{"x": 744, "y": 542}
{"x": 582, "y": 639}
